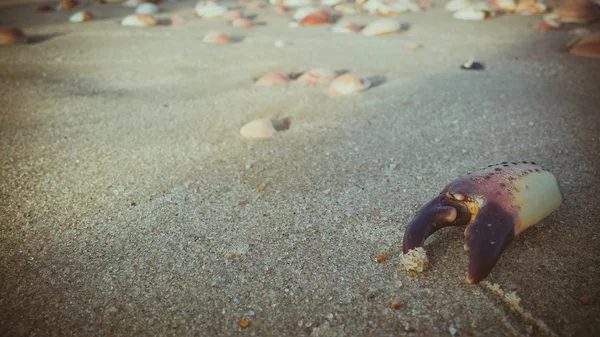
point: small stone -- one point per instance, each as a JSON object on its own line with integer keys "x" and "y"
{"x": 395, "y": 305}
{"x": 112, "y": 310}
{"x": 531, "y": 123}
{"x": 380, "y": 258}
{"x": 244, "y": 323}
{"x": 452, "y": 330}
{"x": 472, "y": 65}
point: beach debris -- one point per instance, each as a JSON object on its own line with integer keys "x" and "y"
{"x": 321, "y": 17}
{"x": 259, "y": 128}
{"x": 480, "y": 11}
{"x": 139, "y": 20}
{"x": 376, "y": 7}
{"x": 242, "y": 23}
{"x": 381, "y": 27}
{"x": 472, "y": 65}
{"x": 12, "y": 35}
{"x": 380, "y": 258}
{"x": 348, "y": 84}
{"x": 244, "y": 323}
{"x": 216, "y": 38}
{"x": 395, "y": 305}
{"x": 210, "y": 9}
{"x": 586, "y": 46}
{"x": 414, "y": 260}
{"x": 233, "y": 15}
{"x": 496, "y": 203}
{"x": 66, "y": 5}
{"x": 346, "y": 27}
{"x": 272, "y": 78}
{"x": 578, "y": 11}
{"x": 147, "y": 8}
{"x": 82, "y": 16}
{"x": 316, "y": 77}
{"x": 504, "y": 6}
{"x": 44, "y": 8}
{"x": 530, "y": 7}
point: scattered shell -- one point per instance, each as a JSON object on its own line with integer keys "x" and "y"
{"x": 549, "y": 22}
{"x": 346, "y": 27}
{"x": 505, "y": 6}
{"x": 45, "y": 8}
{"x": 272, "y": 78}
{"x": 302, "y": 12}
{"x": 291, "y": 3}
{"x": 82, "y": 16}
{"x": 147, "y": 8}
{"x": 473, "y": 14}
{"x": 472, "y": 65}
{"x": 65, "y": 5}
{"x": 281, "y": 9}
{"x": 259, "y": 128}
{"x": 316, "y": 77}
{"x": 531, "y": 7}
{"x": 411, "y": 46}
{"x": 578, "y": 11}
{"x": 316, "y": 18}
{"x": 377, "y": 7}
{"x": 587, "y": 46}
{"x": 12, "y": 36}
{"x": 216, "y": 38}
{"x": 232, "y": 15}
{"x": 348, "y": 84}
{"x": 381, "y": 27}
{"x": 456, "y": 5}
{"x": 139, "y": 20}
{"x": 210, "y": 10}
{"x": 332, "y": 3}
{"x": 256, "y": 5}
{"x": 242, "y": 23}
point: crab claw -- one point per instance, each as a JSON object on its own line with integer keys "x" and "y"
{"x": 496, "y": 203}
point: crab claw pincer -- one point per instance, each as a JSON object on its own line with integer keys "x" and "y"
{"x": 496, "y": 204}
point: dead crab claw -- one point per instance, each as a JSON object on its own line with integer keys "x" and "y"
{"x": 496, "y": 203}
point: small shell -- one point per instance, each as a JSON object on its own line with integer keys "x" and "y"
{"x": 291, "y": 3}
{"x": 147, "y": 8}
{"x": 316, "y": 19}
{"x": 242, "y": 23}
{"x": 82, "y": 16}
{"x": 381, "y": 27}
{"x": 505, "y": 6}
{"x": 587, "y": 46}
{"x": 12, "y": 36}
{"x": 531, "y": 7}
{"x": 348, "y": 84}
{"x": 456, "y": 5}
{"x": 216, "y": 38}
{"x": 65, "y": 5}
{"x": 301, "y": 12}
{"x": 259, "y": 128}
{"x": 139, "y": 20}
{"x": 233, "y": 15}
{"x": 256, "y": 5}
{"x": 281, "y": 9}
{"x": 210, "y": 10}
{"x": 272, "y": 78}
{"x": 578, "y": 11}
{"x": 316, "y": 77}
{"x": 346, "y": 27}
{"x": 472, "y": 14}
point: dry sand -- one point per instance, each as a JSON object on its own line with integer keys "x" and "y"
{"x": 122, "y": 171}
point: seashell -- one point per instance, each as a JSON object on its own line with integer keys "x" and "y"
{"x": 549, "y": 22}
{"x": 147, "y": 8}
{"x": 578, "y": 11}
{"x": 65, "y": 5}
{"x": 316, "y": 77}
{"x": 232, "y": 15}
{"x": 385, "y": 9}
{"x": 348, "y": 84}
{"x": 210, "y": 10}
{"x": 505, "y": 6}
{"x": 242, "y": 23}
{"x": 291, "y": 3}
{"x": 346, "y": 27}
{"x": 256, "y": 5}
{"x": 531, "y": 7}
{"x": 139, "y": 20}
{"x": 271, "y": 79}
{"x": 381, "y": 27}
{"x": 44, "y": 8}
{"x": 82, "y": 16}
{"x": 345, "y": 8}
{"x": 216, "y": 38}
{"x": 259, "y": 128}
{"x": 281, "y": 9}
{"x": 472, "y": 14}
{"x": 302, "y": 12}
{"x": 12, "y": 36}
{"x": 472, "y": 65}
{"x": 316, "y": 19}
{"x": 456, "y": 5}
{"x": 587, "y": 46}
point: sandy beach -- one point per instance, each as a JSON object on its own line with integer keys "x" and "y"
{"x": 130, "y": 205}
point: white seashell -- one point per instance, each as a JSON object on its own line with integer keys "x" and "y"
{"x": 147, "y": 8}
{"x": 259, "y": 128}
{"x": 81, "y": 17}
{"x": 455, "y": 5}
{"x": 139, "y": 20}
{"x": 479, "y": 11}
{"x": 381, "y": 27}
{"x": 345, "y": 27}
{"x": 210, "y": 10}
{"x": 413, "y": 6}
{"x": 292, "y": 3}
{"x": 303, "y": 12}
{"x": 348, "y": 84}
{"x": 316, "y": 77}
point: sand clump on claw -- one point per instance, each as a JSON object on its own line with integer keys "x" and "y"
{"x": 259, "y": 128}
{"x": 578, "y": 11}
{"x": 216, "y": 38}
{"x": 210, "y": 9}
{"x": 586, "y": 46}
{"x": 414, "y": 261}
{"x": 273, "y": 78}
{"x": 139, "y": 20}
{"x": 82, "y": 16}
{"x": 348, "y": 84}
{"x": 12, "y": 36}
{"x": 381, "y": 27}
